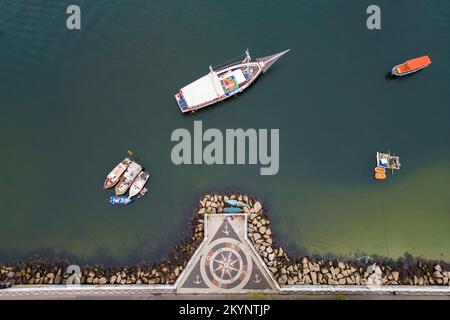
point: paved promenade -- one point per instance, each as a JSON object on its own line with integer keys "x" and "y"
{"x": 224, "y": 266}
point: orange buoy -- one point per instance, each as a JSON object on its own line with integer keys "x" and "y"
{"x": 380, "y": 170}
{"x": 380, "y": 176}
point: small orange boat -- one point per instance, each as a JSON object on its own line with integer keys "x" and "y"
{"x": 411, "y": 66}
{"x": 380, "y": 170}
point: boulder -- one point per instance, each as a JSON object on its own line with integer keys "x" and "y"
{"x": 437, "y": 274}
{"x": 371, "y": 268}
{"x": 395, "y": 275}
{"x": 378, "y": 271}
{"x": 262, "y": 230}
{"x": 308, "y": 279}
{"x": 314, "y": 277}
{"x": 102, "y": 281}
{"x": 257, "y": 206}
{"x": 283, "y": 279}
{"x": 280, "y": 252}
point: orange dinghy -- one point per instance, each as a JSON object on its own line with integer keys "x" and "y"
{"x": 411, "y": 66}
{"x": 380, "y": 170}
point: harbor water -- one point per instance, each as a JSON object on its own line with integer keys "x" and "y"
{"x": 74, "y": 101}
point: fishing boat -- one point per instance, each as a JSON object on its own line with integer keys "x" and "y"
{"x": 138, "y": 184}
{"x": 234, "y": 203}
{"x": 114, "y": 176}
{"x": 388, "y": 161}
{"x": 128, "y": 177}
{"x": 411, "y": 66}
{"x": 224, "y": 82}
{"x": 119, "y": 200}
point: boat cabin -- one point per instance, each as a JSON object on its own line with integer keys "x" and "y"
{"x": 388, "y": 161}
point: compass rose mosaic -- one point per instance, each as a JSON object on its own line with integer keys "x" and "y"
{"x": 226, "y": 260}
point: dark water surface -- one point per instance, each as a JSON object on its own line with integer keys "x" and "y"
{"x": 73, "y": 102}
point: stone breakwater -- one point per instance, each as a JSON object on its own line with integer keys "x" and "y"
{"x": 285, "y": 269}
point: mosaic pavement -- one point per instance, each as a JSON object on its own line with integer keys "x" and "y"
{"x": 226, "y": 261}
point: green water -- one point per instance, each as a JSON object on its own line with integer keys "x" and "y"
{"x": 73, "y": 102}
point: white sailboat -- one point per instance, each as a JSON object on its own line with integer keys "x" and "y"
{"x": 224, "y": 83}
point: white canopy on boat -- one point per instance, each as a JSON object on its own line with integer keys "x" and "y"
{"x": 237, "y": 73}
{"x": 203, "y": 90}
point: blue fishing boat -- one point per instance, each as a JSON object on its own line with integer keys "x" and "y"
{"x": 235, "y": 203}
{"x": 232, "y": 210}
{"x": 119, "y": 200}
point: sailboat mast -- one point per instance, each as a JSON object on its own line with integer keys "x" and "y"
{"x": 248, "y": 58}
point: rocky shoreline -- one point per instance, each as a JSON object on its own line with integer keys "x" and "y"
{"x": 285, "y": 269}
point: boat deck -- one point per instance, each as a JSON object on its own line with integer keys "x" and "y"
{"x": 388, "y": 161}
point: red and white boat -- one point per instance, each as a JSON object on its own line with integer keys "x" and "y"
{"x": 114, "y": 176}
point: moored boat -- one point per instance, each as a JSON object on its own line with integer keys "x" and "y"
{"x": 224, "y": 82}
{"x": 411, "y": 66}
{"x": 232, "y": 210}
{"x": 128, "y": 177}
{"x": 119, "y": 200}
{"x": 138, "y": 184}
{"x": 113, "y": 177}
